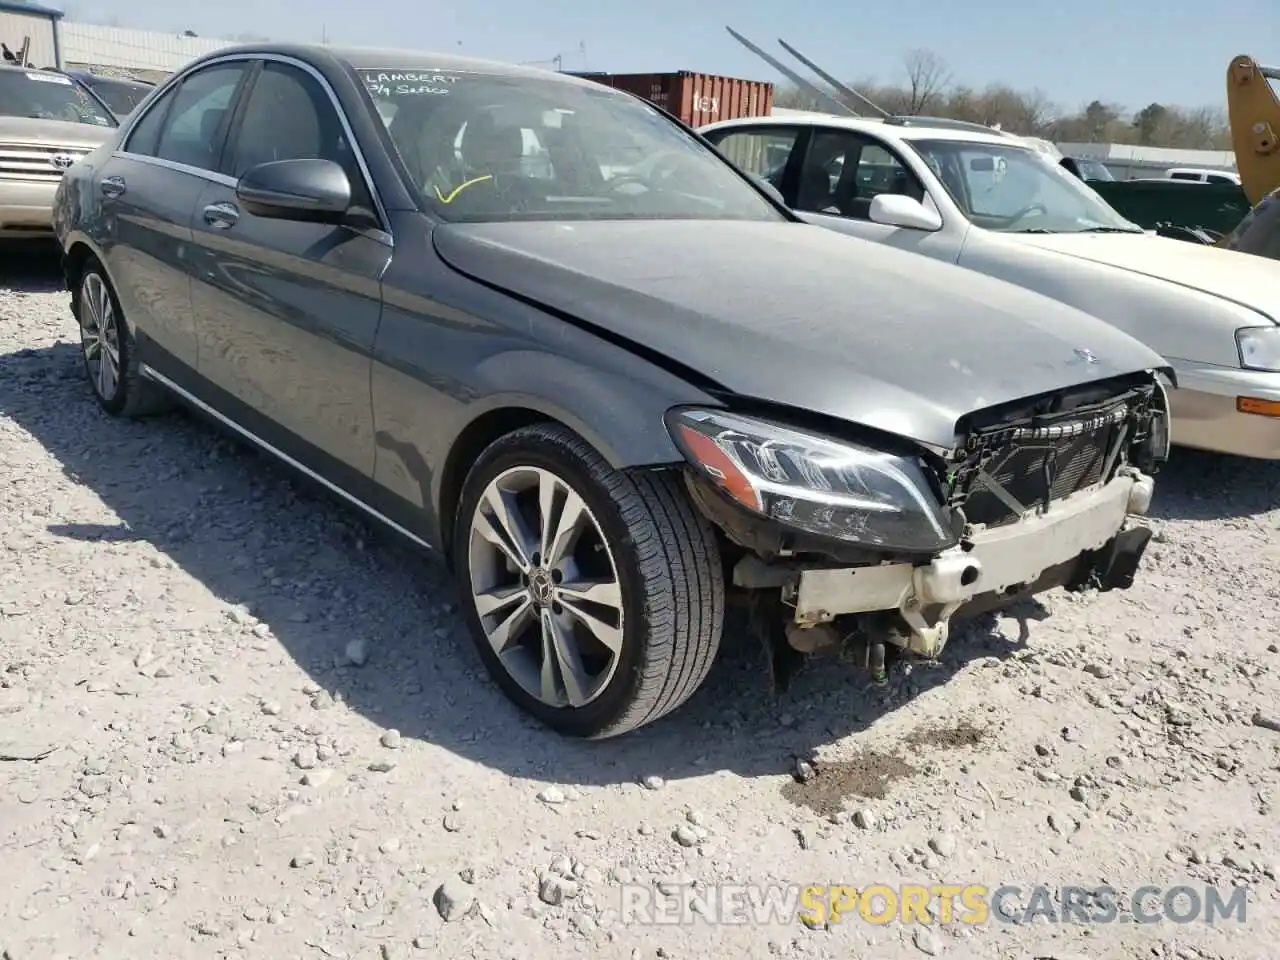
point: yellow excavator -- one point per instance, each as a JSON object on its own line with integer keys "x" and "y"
{"x": 1253, "y": 110}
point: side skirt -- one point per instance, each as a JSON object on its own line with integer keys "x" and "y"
{"x": 403, "y": 518}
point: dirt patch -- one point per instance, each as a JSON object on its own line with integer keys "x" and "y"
{"x": 867, "y": 775}
{"x": 870, "y": 773}
{"x": 963, "y": 734}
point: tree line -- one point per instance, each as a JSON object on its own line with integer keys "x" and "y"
{"x": 929, "y": 89}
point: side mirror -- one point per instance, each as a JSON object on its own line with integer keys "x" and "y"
{"x": 898, "y": 210}
{"x": 317, "y": 191}
{"x": 770, "y": 189}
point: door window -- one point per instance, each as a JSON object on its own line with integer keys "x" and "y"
{"x": 759, "y": 153}
{"x": 844, "y": 171}
{"x": 145, "y": 136}
{"x": 289, "y": 116}
{"x": 187, "y": 126}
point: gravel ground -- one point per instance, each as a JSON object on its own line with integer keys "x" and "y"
{"x": 235, "y": 721}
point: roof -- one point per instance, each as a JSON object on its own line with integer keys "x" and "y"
{"x": 14, "y": 68}
{"x": 789, "y": 112}
{"x": 876, "y": 126}
{"x": 33, "y": 9}
{"x": 406, "y": 61}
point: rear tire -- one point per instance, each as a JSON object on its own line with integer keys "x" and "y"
{"x": 109, "y": 351}
{"x": 645, "y": 638}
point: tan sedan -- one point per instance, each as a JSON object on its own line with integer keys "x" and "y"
{"x": 47, "y": 123}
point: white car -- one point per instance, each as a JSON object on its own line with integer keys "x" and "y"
{"x": 999, "y": 207}
{"x": 1196, "y": 175}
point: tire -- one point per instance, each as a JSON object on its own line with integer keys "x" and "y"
{"x": 124, "y": 392}
{"x": 665, "y": 562}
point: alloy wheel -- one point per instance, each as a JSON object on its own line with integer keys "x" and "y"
{"x": 545, "y": 586}
{"x": 100, "y": 336}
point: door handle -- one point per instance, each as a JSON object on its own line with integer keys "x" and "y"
{"x": 221, "y": 216}
{"x": 112, "y": 187}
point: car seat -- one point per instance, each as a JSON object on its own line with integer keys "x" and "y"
{"x": 490, "y": 149}
{"x": 814, "y": 193}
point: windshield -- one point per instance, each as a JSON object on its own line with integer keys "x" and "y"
{"x": 481, "y": 147}
{"x": 1015, "y": 190}
{"x": 121, "y": 97}
{"x": 49, "y": 96}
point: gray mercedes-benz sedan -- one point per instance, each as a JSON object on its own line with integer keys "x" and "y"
{"x": 614, "y": 394}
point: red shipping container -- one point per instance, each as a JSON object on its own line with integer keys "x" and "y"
{"x": 696, "y": 98}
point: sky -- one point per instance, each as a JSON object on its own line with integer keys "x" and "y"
{"x": 1130, "y": 52}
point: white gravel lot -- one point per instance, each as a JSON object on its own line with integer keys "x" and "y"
{"x": 178, "y": 622}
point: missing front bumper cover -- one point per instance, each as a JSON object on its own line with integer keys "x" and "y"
{"x": 1080, "y": 541}
{"x": 1115, "y": 565}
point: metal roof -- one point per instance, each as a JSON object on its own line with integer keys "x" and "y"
{"x": 1162, "y": 156}
{"x": 34, "y": 9}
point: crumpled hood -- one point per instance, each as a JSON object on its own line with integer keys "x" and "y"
{"x": 1249, "y": 281}
{"x": 802, "y": 316}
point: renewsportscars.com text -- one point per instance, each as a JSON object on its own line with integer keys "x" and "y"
{"x": 818, "y": 905}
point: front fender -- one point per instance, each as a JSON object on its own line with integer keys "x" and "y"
{"x": 621, "y": 418}
{"x": 446, "y": 385}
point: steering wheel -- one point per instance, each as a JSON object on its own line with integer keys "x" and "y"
{"x": 625, "y": 179}
{"x": 666, "y": 165}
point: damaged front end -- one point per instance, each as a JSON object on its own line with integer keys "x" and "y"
{"x": 888, "y": 543}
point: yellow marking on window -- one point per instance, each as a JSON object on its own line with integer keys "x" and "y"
{"x": 458, "y": 189}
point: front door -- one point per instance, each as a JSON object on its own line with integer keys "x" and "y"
{"x": 288, "y": 311}
{"x": 842, "y": 172}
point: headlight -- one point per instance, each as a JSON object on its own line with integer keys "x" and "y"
{"x": 1259, "y": 348}
{"x": 815, "y": 484}
{"x": 1161, "y": 429}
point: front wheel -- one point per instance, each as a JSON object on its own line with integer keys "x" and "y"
{"x": 595, "y": 598}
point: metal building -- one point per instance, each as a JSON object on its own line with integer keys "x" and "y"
{"x": 117, "y": 51}
{"x": 1129, "y": 162}
{"x": 29, "y": 33}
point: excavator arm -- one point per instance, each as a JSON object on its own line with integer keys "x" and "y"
{"x": 1253, "y": 110}
{"x": 1259, "y": 232}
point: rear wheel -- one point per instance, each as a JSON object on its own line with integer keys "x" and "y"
{"x": 595, "y": 598}
{"x": 107, "y": 344}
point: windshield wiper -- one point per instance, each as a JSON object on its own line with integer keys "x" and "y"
{"x": 1031, "y": 230}
{"x": 1111, "y": 230}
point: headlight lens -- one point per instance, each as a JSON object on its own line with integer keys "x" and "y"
{"x": 1259, "y": 348}
{"x": 1161, "y": 429}
{"x": 822, "y": 486}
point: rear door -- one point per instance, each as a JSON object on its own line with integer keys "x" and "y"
{"x": 288, "y": 311}
{"x": 147, "y": 192}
